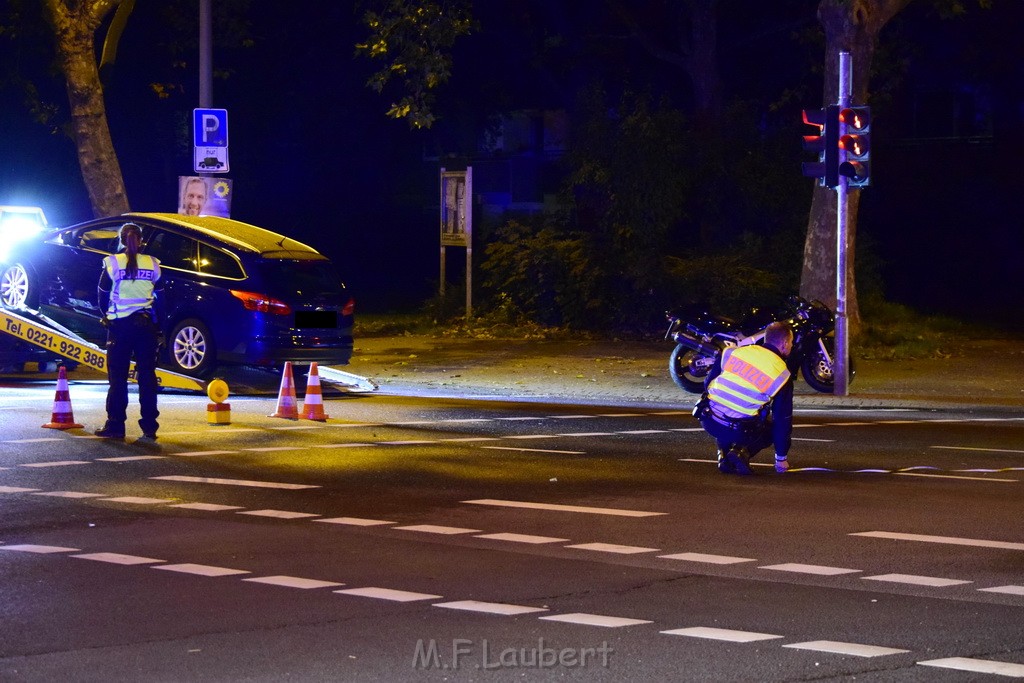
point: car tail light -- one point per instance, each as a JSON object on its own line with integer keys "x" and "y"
{"x": 264, "y": 304}
{"x": 349, "y": 308}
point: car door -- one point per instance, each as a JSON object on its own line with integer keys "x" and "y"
{"x": 73, "y": 265}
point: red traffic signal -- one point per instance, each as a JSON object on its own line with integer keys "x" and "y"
{"x": 856, "y": 144}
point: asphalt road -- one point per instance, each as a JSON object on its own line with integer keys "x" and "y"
{"x": 432, "y": 538}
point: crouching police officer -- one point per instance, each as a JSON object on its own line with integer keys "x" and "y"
{"x": 748, "y": 401}
{"x": 128, "y": 289}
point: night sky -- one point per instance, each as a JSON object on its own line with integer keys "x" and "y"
{"x": 313, "y": 156}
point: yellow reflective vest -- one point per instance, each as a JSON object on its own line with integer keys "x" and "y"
{"x": 130, "y": 296}
{"x": 750, "y": 378}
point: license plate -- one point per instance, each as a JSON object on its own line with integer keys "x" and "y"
{"x": 305, "y": 320}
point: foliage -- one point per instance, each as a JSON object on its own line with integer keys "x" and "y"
{"x": 542, "y": 271}
{"x": 413, "y": 38}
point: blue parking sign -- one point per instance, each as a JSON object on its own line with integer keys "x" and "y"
{"x": 210, "y": 127}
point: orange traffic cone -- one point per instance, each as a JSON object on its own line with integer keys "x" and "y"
{"x": 62, "y": 417}
{"x": 313, "y": 401}
{"x": 286, "y": 405}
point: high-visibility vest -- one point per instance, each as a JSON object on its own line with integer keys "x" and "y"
{"x": 750, "y": 378}
{"x": 130, "y": 296}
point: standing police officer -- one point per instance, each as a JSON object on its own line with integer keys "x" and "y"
{"x": 748, "y": 401}
{"x": 128, "y": 290}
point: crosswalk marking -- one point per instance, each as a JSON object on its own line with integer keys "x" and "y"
{"x": 978, "y": 666}
{"x": 235, "y": 482}
{"x": 710, "y": 559}
{"x": 855, "y": 649}
{"x": 721, "y": 634}
{"x": 949, "y": 540}
{"x": 563, "y": 508}
{"x": 388, "y": 594}
{"x": 118, "y": 558}
{"x": 595, "y": 620}
{"x": 293, "y": 582}
{"x": 810, "y": 569}
{"x": 934, "y": 582}
{"x": 489, "y": 607}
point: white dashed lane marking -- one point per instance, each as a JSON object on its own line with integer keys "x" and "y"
{"x": 1009, "y": 590}
{"x": 278, "y": 514}
{"x": 138, "y": 500}
{"x": 613, "y": 548}
{"x": 948, "y": 540}
{"x": 56, "y": 463}
{"x": 235, "y": 482}
{"x": 118, "y": 558}
{"x": 353, "y": 521}
{"x": 978, "y": 666}
{"x": 595, "y": 620}
{"x": 69, "y": 494}
{"x": 523, "y": 538}
{"x": 131, "y": 458}
{"x": 562, "y": 508}
{"x": 206, "y": 507}
{"x": 532, "y": 450}
{"x": 854, "y": 649}
{"x": 810, "y": 569}
{"x": 489, "y": 607}
{"x": 931, "y": 581}
{"x": 709, "y": 559}
{"x": 390, "y": 594}
{"x": 721, "y": 634}
{"x": 983, "y": 450}
{"x": 40, "y": 549}
{"x": 16, "y": 489}
{"x": 200, "y": 569}
{"x": 435, "y": 529}
{"x": 293, "y": 582}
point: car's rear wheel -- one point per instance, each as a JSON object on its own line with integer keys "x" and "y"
{"x": 190, "y": 348}
{"x": 16, "y": 287}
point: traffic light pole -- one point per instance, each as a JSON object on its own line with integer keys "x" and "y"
{"x": 842, "y": 345}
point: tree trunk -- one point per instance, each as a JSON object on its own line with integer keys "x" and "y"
{"x": 850, "y": 26}
{"x": 75, "y": 26}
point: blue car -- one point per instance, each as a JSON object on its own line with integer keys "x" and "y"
{"x": 233, "y": 293}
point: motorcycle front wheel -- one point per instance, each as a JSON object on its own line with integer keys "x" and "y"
{"x": 689, "y": 368}
{"x": 818, "y": 371}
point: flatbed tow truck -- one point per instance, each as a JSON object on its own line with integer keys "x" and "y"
{"x": 37, "y": 329}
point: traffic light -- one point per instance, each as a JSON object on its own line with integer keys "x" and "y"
{"x": 825, "y": 143}
{"x": 856, "y": 142}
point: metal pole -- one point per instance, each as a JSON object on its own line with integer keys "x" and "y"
{"x": 842, "y": 346}
{"x": 468, "y": 208}
{"x": 205, "y": 55}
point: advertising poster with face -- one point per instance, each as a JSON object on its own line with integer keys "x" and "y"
{"x": 202, "y": 196}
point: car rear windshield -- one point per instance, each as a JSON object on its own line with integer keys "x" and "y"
{"x": 300, "y": 275}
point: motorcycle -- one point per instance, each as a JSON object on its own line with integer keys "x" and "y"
{"x": 700, "y": 336}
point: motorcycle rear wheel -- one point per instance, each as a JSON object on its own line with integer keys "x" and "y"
{"x": 688, "y": 369}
